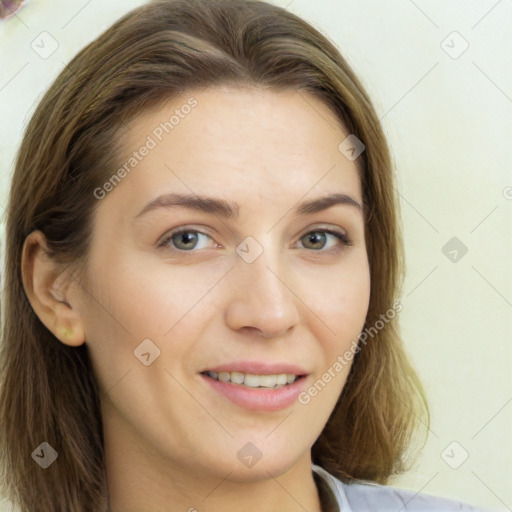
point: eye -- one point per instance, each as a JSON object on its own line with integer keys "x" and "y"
{"x": 185, "y": 239}
{"x": 320, "y": 237}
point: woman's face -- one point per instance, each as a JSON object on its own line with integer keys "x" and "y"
{"x": 259, "y": 283}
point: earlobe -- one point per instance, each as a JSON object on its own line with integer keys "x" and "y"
{"x": 46, "y": 285}
{"x": 67, "y": 325}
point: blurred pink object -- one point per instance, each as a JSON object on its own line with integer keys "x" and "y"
{"x": 9, "y": 8}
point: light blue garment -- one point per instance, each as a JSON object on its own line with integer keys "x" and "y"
{"x": 371, "y": 497}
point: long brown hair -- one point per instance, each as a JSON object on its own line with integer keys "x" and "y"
{"x": 48, "y": 389}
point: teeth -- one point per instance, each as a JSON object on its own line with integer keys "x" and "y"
{"x": 253, "y": 380}
{"x": 224, "y": 376}
{"x": 267, "y": 381}
{"x": 282, "y": 379}
{"x": 236, "y": 377}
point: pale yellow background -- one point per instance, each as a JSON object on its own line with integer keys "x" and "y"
{"x": 449, "y": 123}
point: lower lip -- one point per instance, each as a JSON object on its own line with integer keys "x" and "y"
{"x": 258, "y": 399}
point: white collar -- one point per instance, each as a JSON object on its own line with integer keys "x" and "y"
{"x": 336, "y": 487}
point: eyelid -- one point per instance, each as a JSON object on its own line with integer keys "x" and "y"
{"x": 324, "y": 227}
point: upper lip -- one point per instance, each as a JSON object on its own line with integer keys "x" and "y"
{"x": 257, "y": 367}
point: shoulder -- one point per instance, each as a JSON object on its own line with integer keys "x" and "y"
{"x": 371, "y": 497}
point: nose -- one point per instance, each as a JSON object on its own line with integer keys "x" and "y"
{"x": 261, "y": 300}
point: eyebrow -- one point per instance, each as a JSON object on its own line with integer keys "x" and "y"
{"x": 231, "y": 210}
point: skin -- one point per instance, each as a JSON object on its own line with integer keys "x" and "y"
{"x": 171, "y": 442}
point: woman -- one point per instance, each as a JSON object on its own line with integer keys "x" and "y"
{"x": 202, "y": 233}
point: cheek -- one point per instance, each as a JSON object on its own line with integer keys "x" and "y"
{"x": 141, "y": 299}
{"x": 342, "y": 304}
{"x": 343, "y": 307}
{"x": 341, "y": 298}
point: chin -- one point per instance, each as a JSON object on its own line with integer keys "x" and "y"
{"x": 271, "y": 464}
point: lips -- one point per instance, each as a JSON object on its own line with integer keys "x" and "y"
{"x": 257, "y": 398}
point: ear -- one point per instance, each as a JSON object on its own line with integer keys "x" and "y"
{"x": 47, "y": 286}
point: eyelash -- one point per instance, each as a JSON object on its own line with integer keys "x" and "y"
{"x": 341, "y": 236}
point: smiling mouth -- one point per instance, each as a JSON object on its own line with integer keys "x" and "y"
{"x": 251, "y": 380}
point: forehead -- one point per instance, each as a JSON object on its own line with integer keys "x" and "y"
{"x": 240, "y": 143}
